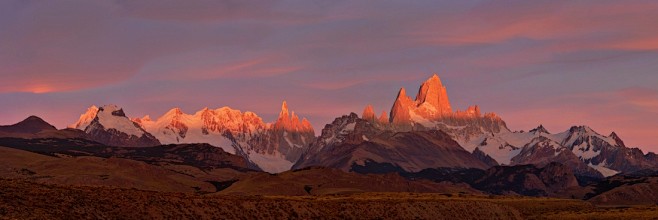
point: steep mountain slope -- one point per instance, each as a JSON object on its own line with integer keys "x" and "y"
{"x": 110, "y": 126}
{"x": 351, "y": 144}
{"x": 273, "y": 147}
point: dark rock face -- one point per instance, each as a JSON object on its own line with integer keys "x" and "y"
{"x": 113, "y": 137}
{"x": 486, "y": 159}
{"x": 119, "y": 113}
{"x": 354, "y": 142}
{"x": 30, "y": 125}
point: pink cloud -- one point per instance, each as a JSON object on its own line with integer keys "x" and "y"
{"x": 561, "y": 23}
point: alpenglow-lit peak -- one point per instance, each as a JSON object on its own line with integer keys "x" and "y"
{"x": 368, "y": 113}
{"x": 434, "y": 93}
{"x": 113, "y": 117}
{"x": 85, "y": 118}
{"x": 292, "y": 122}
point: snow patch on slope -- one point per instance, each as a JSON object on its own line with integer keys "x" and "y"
{"x": 421, "y": 120}
{"x": 602, "y": 169}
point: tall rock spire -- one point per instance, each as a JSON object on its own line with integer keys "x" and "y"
{"x": 383, "y": 119}
{"x": 401, "y": 107}
{"x": 434, "y": 93}
{"x": 284, "y": 121}
{"x": 284, "y": 110}
{"x": 368, "y": 113}
{"x": 291, "y": 122}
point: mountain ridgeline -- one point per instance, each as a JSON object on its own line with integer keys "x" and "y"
{"x": 420, "y": 133}
{"x": 272, "y": 147}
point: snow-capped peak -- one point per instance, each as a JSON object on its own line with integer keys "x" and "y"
{"x": 113, "y": 117}
{"x": 539, "y": 130}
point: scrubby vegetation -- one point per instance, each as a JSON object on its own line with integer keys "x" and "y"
{"x": 23, "y": 199}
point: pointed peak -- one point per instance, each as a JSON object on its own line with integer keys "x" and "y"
{"x": 174, "y": 111}
{"x": 434, "y": 95}
{"x": 617, "y": 139}
{"x": 368, "y": 113}
{"x": 284, "y": 110}
{"x": 109, "y": 108}
{"x": 112, "y": 109}
{"x": 580, "y": 129}
{"x": 540, "y": 129}
{"x": 474, "y": 110}
{"x": 434, "y": 79}
{"x": 383, "y": 118}
{"x": 284, "y": 105}
{"x": 402, "y": 93}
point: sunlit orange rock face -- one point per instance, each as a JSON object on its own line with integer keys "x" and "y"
{"x": 85, "y": 118}
{"x": 291, "y": 122}
{"x": 432, "y": 107}
{"x": 401, "y": 108}
{"x": 368, "y": 113}
{"x": 432, "y": 98}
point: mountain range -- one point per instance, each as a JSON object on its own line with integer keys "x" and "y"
{"x": 420, "y": 133}
{"x": 425, "y": 132}
{"x": 272, "y": 147}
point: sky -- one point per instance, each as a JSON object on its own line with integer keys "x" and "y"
{"x": 556, "y": 63}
